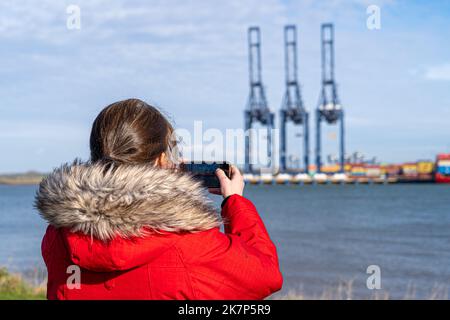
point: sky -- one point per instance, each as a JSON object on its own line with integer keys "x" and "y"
{"x": 189, "y": 58}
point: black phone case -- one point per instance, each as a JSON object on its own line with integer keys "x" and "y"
{"x": 206, "y": 172}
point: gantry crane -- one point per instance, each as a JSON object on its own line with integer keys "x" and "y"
{"x": 257, "y": 109}
{"x": 329, "y": 109}
{"x": 292, "y": 108}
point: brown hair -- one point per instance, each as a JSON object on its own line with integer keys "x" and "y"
{"x": 131, "y": 132}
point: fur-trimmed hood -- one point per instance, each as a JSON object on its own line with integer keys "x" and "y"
{"x": 128, "y": 200}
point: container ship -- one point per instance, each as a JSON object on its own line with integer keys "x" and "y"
{"x": 443, "y": 168}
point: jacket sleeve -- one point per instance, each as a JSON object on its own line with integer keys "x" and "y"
{"x": 243, "y": 259}
{"x": 243, "y": 224}
{"x": 242, "y": 220}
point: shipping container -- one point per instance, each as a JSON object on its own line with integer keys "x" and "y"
{"x": 443, "y": 168}
{"x": 425, "y": 167}
{"x": 373, "y": 171}
{"x": 358, "y": 171}
{"x": 443, "y": 156}
{"x": 392, "y": 170}
{"x": 443, "y": 163}
{"x": 442, "y": 178}
{"x": 409, "y": 169}
{"x": 331, "y": 168}
{"x": 312, "y": 168}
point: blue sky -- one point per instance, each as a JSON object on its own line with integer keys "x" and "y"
{"x": 190, "y": 59}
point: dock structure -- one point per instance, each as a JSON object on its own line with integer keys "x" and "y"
{"x": 317, "y": 179}
{"x": 422, "y": 171}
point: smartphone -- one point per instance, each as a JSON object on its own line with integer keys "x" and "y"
{"x": 206, "y": 172}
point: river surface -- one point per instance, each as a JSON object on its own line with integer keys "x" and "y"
{"x": 327, "y": 236}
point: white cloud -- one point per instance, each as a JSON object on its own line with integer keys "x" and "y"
{"x": 133, "y": 33}
{"x": 46, "y": 19}
{"x": 439, "y": 72}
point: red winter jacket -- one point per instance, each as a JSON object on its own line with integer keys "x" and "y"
{"x": 100, "y": 223}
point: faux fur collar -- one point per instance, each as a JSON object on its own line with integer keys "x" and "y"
{"x": 123, "y": 200}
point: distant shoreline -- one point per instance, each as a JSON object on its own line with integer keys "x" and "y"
{"x": 29, "y": 178}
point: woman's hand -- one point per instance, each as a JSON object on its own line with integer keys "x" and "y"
{"x": 235, "y": 185}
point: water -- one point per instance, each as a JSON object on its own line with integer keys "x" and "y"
{"x": 21, "y": 228}
{"x": 325, "y": 235}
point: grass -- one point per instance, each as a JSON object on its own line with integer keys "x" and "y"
{"x": 344, "y": 291}
{"x": 14, "y": 287}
